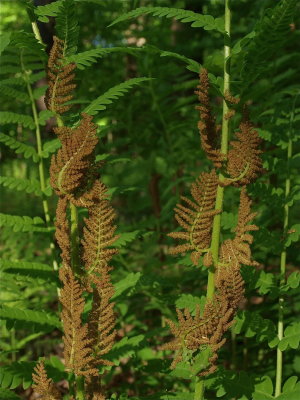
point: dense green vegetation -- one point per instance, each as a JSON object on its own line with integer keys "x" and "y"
{"x": 137, "y": 69}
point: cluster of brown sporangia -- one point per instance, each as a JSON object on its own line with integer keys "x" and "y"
{"x": 239, "y": 167}
{"x": 74, "y": 178}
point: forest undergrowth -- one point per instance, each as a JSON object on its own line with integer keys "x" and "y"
{"x": 150, "y": 200}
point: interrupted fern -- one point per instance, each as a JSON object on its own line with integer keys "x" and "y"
{"x": 196, "y": 217}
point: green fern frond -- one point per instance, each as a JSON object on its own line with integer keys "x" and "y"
{"x": 6, "y": 394}
{"x": 27, "y": 41}
{"x": 20, "y": 373}
{"x": 7, "y": 264}
{"x": 4, "y": 41}
{"x": 28, "y": 270}
{"x": 18, "y": 81}
{"x": 21, "y": 184}
{"x": 87, "y": 58}
{"x": 14, "y": 93}
{"x": 50, "y": 147}
{"x": 206, "y": 22}
{"x": 9, "y": 69}
{"x": 22, "y": 224}
{"x": 9, "y": 59}
{"x": 271, "y": 33}
{"x": 16, "y": 374}
{"x": 13, "y": 81}
{"x": 67, "y": 27}
{"x": 19, "y": 147}
{"x": 7, "y": 117}
{"x": 39, "y": 92}
{"x": 44, "y": 116}
{"x": 36, "y": 319}
{"x": 112, "y": 94}
{"x": 48, "y": 10}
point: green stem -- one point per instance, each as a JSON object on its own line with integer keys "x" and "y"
{"x": 216, "y": 230}
{"x": 224, "y": 149}
{"x": 283, "y": 262}
{"x": 199, "y": 389}
{"x": 80, "y": 388}
{"x": 41, "y": 161}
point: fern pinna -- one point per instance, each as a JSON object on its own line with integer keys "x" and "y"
{"x": 73, "y": 177}
{"x": 241, "y": 165}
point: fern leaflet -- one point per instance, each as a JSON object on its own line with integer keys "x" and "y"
{"x": 87, "y": 58}
{"x": 206, "y": 22}
{"x": 14, "y": 93}
{"x": 37, "y": 318}
{"x": 22, "y": 224}
{"x": 7, "y": 117}
{"x": 6, "y": 394}
{"x": 19, "y": 147}
{"x": 67, "y": 27}
{"x": 29, "y": 186}
{"x": 271, "y": 32}
{"x": 48, "y": 10}
{"x": 29, "y": 270}
{"x": 113, "y": 93}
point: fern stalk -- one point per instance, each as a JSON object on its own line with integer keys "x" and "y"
{"x": 215, "y": 242}
{"x": 41, "y": 162}
{"x": 80, "y": 388}
{"x": 224, "y": 149}
{"x": 279, "y": 360}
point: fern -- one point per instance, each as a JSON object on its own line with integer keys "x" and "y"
{"x": 16, "y": 374}
{"x": 271, "y": 32}
{"x": 6, "y": 394}
{"x": 44, "y": 116}
{"x": 29, "y": 186}
{"x": 113, "y": 93}
{"x": 22, "y": 224}
{"x": 29, "y": 270}
{"x": 29, "y": 318}
{"x": 48, "y": 10}
{"x": 67, "y": 26}
{"x": 28, "y": 42}
{"x": 87, "y": 58}
{"x": 14, "y": 93}
{"x": 206, "y": 22}
{"x": 4, "y": 41}
{"x": 7, "y": 117}
{"x": 19, "y": 147}
{"x": 50, "y": 147}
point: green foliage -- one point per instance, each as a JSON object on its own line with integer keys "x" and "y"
{"x": 149, "y": 146}
{"x": 206, "y": 22}
{"x": 21, "y": 318}
{"x": 291, "y": 337}
{"x": 34, "y": 270}
{"x": 7, "y": 117}
{"x": 270, "y": 34}
{"x": 8, "y": 394}
{"x": 89, "y": 57}
{"x": 112, "y": 94}
{"x": 23, "y": 224}
{"x": 29, "y": 186}
{"x": 67, "y": 26}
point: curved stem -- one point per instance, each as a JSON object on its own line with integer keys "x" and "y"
{"x": 199, "y": 389}
{"x": 283, "y": 261}
{"x": 41, "y": 161}
{"x": 80, "y": 388}
{"x": 224, "y": 149}
{"x": 215, "y": 242}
